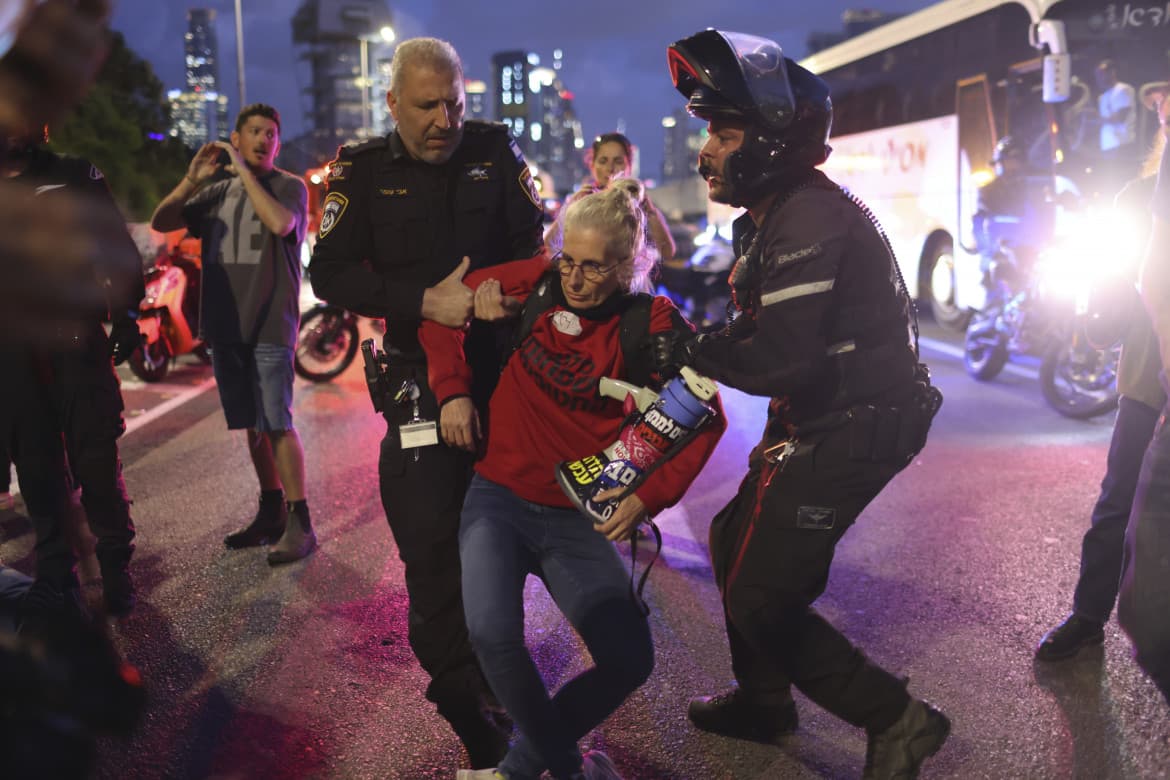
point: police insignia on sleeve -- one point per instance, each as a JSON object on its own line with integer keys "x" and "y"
{"x": 335, "y": 204}
{"x": 529, "y": 186}
{"x": 339, "y": 170}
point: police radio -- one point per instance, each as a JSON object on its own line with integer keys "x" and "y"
{"x": 657, "y": 427}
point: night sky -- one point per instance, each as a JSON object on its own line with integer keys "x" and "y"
{"x": 614, "y": 52}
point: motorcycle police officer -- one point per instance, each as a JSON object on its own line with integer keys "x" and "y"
{"x": 66, "y": 402}
{"x": 825, "y": 330}
{"x": 406, "y": 215}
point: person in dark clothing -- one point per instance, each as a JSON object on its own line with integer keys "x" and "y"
{"x": 405, "y": 217}
{"x": 1139, "y": 408}
{"x": 66, "y": 402}
{"x": 825, "y": 329}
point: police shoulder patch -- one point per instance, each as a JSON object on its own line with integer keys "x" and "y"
{"x": 528, "y": 185}
{"x": 335, "y": 204}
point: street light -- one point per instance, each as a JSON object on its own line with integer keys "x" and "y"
{"x": 385, "y": 35}
{"x": 240, "y": 53}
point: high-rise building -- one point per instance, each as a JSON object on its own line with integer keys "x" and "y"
{"x": 538, "y": 110}
{"x": 198, "y": 117}
{"x": 683, "y": 136}
{"x": 347, "y": 45}
{"x": 199, "y": 113}
{"x": 478, "y": 102}
{"x": 510, "y": 69}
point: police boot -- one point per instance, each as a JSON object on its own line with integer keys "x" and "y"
{"x": 466, "y": 701}
{"x": 298, "y": 539}
{"x": 266, "y": 526}
{"x": 737, "y": 714}
{"x": 898, "y": 752}
{"x": 118, "y": 592}
{"x": 1067, "y": 639}
{"x": 481, "y": 731}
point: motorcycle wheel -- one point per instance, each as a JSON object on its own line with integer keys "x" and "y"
{"x": 984, "y": 351}
{"x": 326, "y": 344}
{"x": 151, "y": 362}
{"x": 1078, "y": 381}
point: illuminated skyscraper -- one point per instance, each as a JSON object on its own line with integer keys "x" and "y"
{"x": 538, "y": 110}
{"x": 478, "y": 106}
{"x": 202, "y": 94}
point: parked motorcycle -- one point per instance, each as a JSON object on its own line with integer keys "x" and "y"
{"x": 168, "y": 315}
{"x": 1054, "y": 307}
{"x": 326, "y": 343}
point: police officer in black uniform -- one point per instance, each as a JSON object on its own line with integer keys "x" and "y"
{"x": 825, "y": 329}
{"x": 66, "y": 402}
{"x": 405, "y": 217}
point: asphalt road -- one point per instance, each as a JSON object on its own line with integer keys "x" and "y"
{"x": 950, "y": 577}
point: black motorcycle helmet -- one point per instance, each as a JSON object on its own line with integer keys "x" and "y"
{"x": 726, "y": 75}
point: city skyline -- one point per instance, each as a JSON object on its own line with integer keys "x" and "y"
{"x": 614, "y": 54}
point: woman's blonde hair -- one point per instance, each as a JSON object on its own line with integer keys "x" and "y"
{"x": 615, "y": 212}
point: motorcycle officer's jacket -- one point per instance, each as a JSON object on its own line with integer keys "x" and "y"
{"x": 392, "y": 226}
{"x": 825, "y": 322}
{"x": 49, "y": 174}
{"x": 80, "y": 378}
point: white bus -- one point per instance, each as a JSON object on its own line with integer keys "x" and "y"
{"x": 920, "y": 103}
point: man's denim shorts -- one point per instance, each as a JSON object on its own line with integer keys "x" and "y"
{"x": 255, "y": 385}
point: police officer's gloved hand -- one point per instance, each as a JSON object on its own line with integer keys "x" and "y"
{"x": 124, "y": 339}
{"x": 671, "y": 350}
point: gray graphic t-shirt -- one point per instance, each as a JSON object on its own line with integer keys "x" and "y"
{"x": 251, "y": 278}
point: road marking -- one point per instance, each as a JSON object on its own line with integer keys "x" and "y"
{"x": 134, "y": 423}
{"x": 957, "y": 352}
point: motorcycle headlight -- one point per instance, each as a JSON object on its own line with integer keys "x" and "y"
{"x": 1090, "y": 248}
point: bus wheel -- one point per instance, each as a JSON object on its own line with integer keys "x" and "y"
{"x": 939, "y": 278}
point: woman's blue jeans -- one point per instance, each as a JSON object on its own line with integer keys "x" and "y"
{"x": 503, "y": 539}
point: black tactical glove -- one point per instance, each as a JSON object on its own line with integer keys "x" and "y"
{"x": 671, "y": 350}
{"x": 124, "y": 339}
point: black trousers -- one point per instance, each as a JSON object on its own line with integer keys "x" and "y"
{"x": 771, "y": 548}
{"x": 422, "y": 493}
{"x": 67, "y": 417}
{"x": 1104, "y": 542}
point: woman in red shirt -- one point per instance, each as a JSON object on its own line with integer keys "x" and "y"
{"x": 517, "y": 521}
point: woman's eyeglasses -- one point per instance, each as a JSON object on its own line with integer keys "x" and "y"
{"x": 592, "y": 270}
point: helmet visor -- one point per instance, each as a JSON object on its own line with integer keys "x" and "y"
{"x": 745, "y": 70}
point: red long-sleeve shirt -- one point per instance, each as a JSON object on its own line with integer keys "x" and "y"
{"x": 546, "y": 408}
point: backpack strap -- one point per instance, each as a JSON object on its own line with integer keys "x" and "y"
{"x": 538, "y": 302}
{"x": 634, "y": 329}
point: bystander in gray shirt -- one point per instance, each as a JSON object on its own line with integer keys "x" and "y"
{"x": 251, "y": 277}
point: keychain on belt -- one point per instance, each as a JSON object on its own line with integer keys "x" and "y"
{"x": 417, "y": 432}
